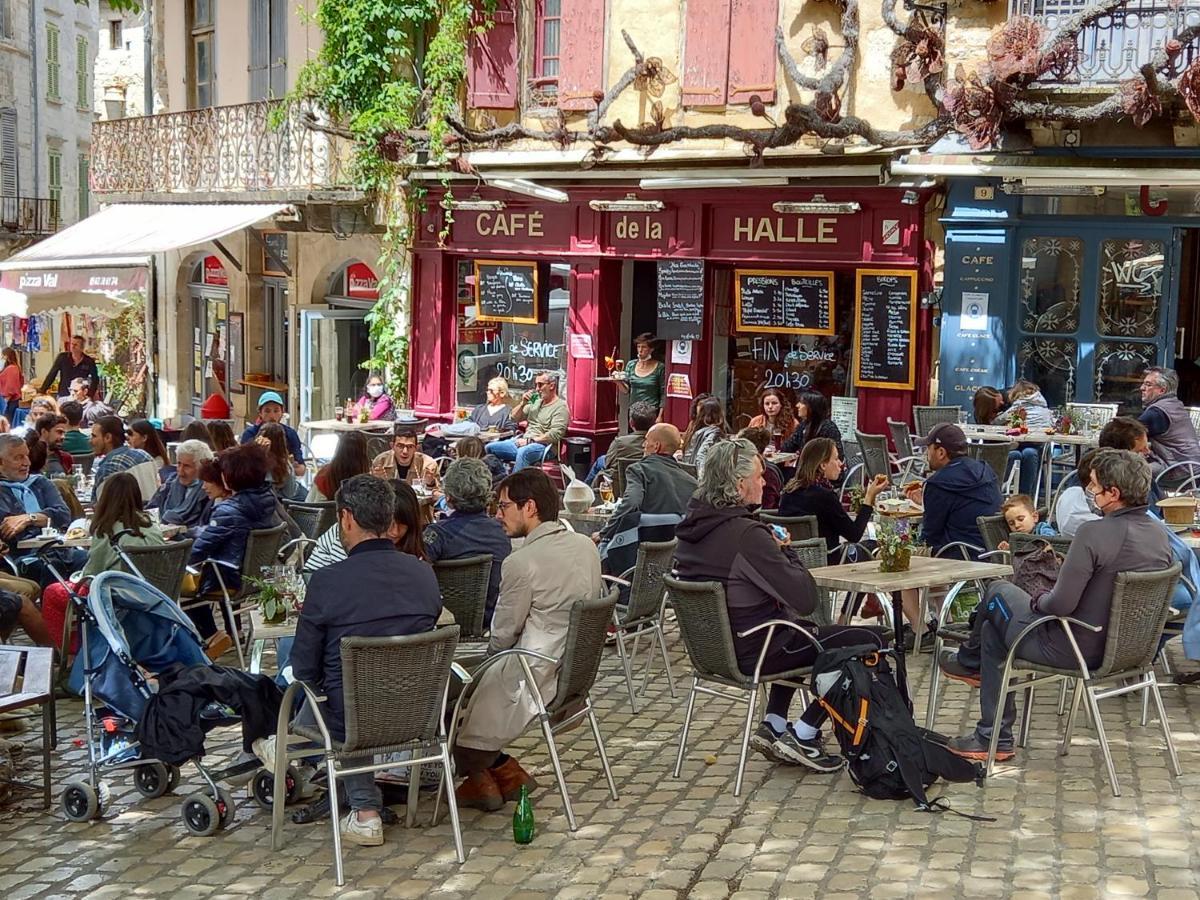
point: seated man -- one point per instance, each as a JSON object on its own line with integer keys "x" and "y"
{"x": 1127, "y": 433}
{"x": 182, "y": 500}
{"x": 657, "y": 492}
{"x": 93, "y": 410}
{"x": 540, "y": 582}
{"x": 74, "y": 441}
{"x": 51, "y": 430}
{"x": 1167, "y": 421}
{"x": 469, "y": 530}
{"x": 1125, "y": 539}
{"x": 19, "y": 607}
{"x": 29, "y": 503}
{"x": 547, "y": 417}
{"x": 404, "y": 461}
{"x": 642, "y": 416}
{"x": 270, "y": 409}
{"x": 108, "y": 441}
{"x": 958, "y": 490}
{"x": 375, "y": 592}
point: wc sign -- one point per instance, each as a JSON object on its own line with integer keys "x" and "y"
{"x": 890, "y": 233}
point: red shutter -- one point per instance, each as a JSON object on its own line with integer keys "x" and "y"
{"x": 706, "y": 52}
{"x": 752, "y": 56}
{"x": 492, "y": 62}
{"x": 581, "y": 54}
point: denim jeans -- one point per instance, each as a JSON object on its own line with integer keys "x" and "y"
{"x": 1029, "y": 458}
{"x": 596, "y": 469}
{"x": 521, "y": 457}
{"x": 361, "y": 790}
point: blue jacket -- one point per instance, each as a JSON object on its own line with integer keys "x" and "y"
{"x": 49, "y": 500}
{"x": 469, "y": 534}
{"x": 225, "y": 537}
{"x": 954, "y": 496}
{"x": 376, "y": 591}
{"x": 293, "y": 439}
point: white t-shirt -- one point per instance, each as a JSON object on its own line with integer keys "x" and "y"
{"x": 1072, "y": 511}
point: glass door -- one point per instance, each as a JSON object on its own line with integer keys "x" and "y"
{"x": 333, "y": 345}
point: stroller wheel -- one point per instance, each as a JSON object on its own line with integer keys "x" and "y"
{"x": 152, "y": 779}
{"x": 225, "y": 806}
{"x": 262, "y": 787}
{"x": 200, "y": 816}
{"x": 80, "y": 801}
{"x": 172, "y": 778}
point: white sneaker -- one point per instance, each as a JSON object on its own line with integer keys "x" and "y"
{"x": 365, "y": 834}
{"x": 264, "y": 749}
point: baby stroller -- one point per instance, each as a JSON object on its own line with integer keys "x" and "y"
{"x": 127, "y": 627}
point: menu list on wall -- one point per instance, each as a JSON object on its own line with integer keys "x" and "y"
{"x": 780, "y": 302}
{"x": 506, "y": 291}
{"x": 886, "y": 315}
{"x": 680, "y": 299}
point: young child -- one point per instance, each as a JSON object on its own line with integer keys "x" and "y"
{"x": 1023, "y": 518}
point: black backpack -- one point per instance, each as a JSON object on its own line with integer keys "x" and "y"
{"x": 888, "y": 755}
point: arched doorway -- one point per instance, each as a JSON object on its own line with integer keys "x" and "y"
{"x": 208, "y": 290}
{"x": 335, "y": 340}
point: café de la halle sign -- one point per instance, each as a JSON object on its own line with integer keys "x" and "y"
{"x": 689, "y": 224}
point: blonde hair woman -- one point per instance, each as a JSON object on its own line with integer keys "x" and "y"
{"x": 495, "y": 414}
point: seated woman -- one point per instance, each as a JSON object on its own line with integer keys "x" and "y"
{"x": 145, "y": 436}
{"x": 281, "y": 474}
{"x": 988, "y": 403}
{"x": 375, "y": 401}
{"x": 222, "y": 436}
{"x": 213, "y": 483}
{"x": 349, "y": 459}
{"x": 773, "y": 477}
{"x": 706, "y": 429}
{"x": 812, "y": 409}
{"x": 811, "y": 493}
{"x": 720, "y": 540}
{"x": 1026, "y": 397}
{"x": 406, "y": 531}
{"x": 251, "y": 506}
{"x": 469, "y": 529}
{"x": 473, "y": 448}
{"x": 1072, "y": 509}
{"x": 776, "y": 415}
{"x": 118, "y": 509}
{"x": 196, "y": 430}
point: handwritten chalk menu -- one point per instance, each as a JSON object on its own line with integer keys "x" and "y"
{"x": 778, "y": 302}
{"x": 680, "y": 299}
{"x": 886, "y": 318}
{"x": 506, "y": 291}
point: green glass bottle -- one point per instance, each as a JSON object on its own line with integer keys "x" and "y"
{"x": 523, "y": 827}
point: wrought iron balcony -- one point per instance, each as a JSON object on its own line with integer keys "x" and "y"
{"x": 222, "y": 149}
{"x": 1115, "y": 46}
{"x": 21, "y": 216}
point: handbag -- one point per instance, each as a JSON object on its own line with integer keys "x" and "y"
{"x": 1035, "y": 570}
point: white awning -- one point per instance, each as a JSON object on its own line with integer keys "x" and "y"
{"x": 128, "y": 234}
{"x": 92, "y": 303}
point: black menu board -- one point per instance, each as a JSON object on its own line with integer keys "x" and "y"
{"x": 781, "y": 302}
{"x": 885, "y": 319}
{"x": 680, "y": 299}
{"x": 506, "y": 290}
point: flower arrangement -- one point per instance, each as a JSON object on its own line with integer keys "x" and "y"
{"x": 896, "y": 545}
{"x": 1068, "y": 423}
{"x": 856, "y": 494}
{"x": 270, "y": 600}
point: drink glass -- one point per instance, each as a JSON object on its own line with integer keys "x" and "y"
{"x": 339, "y": 412}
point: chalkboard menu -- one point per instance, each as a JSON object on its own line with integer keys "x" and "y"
{"x": 680, "y": 299}
{"x": 778, "y": 302}
{"x": 886, "y": 319}
{"x": 506, "y": 291}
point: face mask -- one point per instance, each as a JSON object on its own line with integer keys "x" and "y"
{"x": 1093, "y": 508}
{"x": 375, "y": 390}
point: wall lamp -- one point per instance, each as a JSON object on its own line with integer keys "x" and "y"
{"x": 530, "y": 189}
{"x": 630, "y": 203}
{"x": 818, "y": 204}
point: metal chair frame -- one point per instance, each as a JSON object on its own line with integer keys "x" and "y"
{"x": 925, "y": 417}
{"x": 1191, "y": 480}
{"x": 800, "y": 528}
{"x": 902, "y": 441}
{"x": 647, "y": 598}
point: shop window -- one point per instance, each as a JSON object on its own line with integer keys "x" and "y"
{"x": 1131, "y": 283}
{"x": 210, "y": 329}
{"x": 275, "y": 328}
{"x": 1118, "y": 371}
{"x": 1051, "y": 268}
{"x": 515, "y": 352}
{"x": 1050, "y": 363}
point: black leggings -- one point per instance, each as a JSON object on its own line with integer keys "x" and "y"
{"x": 205, "y": 621}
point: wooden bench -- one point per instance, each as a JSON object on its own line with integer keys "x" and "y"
{"x": 27, "y": 679}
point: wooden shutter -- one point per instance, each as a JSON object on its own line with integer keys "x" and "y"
{"x": 52, "y": 63}
{"x": 492, "y": 62}
{"x": 705, "y": 52}
{"x": 85, "y": 189}
{"x": 260, "y": 49}
{"x": 752, "y": 55}
{"x": 581, "y": 54}
{"x": 8, "y": 152}
{"x": 277, "y": 47}
{"x": 82, "y": 100}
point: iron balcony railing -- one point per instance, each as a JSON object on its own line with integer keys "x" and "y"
{"x": 236, "y": 149}
{"x": 1115, "y": 46}
{"x": 28, "y": 215}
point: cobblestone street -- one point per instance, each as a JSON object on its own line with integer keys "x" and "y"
{"x": 1058, "y": 831}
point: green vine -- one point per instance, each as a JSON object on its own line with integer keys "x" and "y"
{"x": 387, "y": 68}
{"x": 123, "y": 355}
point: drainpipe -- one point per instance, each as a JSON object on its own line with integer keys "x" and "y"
{"x": 148, "y": 59}
{"x": 34, "y": 63}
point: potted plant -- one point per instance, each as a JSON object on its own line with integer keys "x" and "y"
{"x": 896, "y": 545}
{"x": 270, "y": 601}
{"x": 1068, "y": 423}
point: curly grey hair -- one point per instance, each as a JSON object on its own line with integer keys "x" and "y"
{"x": 468, "y": 485}
{"x": 1124, "y": 470}
{"x": 1166, "y": 378}
{"x": 727, "y": 463}
{"x": 196, "y": 451}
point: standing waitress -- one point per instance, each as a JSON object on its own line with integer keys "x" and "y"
{"x": 645, "y": 377}
{"x": 11, "y": 381}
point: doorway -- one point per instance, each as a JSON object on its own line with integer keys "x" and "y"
{"x": 333, "y": 345}
{"x": 1187, "y": 325}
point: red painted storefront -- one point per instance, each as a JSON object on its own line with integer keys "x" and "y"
{"x": 727, "y": 226}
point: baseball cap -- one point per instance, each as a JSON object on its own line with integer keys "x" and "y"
{"x": 946, "y": 435}
{"x": 273, "y": 397}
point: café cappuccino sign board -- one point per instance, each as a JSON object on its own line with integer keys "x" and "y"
{"x": 506, "y": 290}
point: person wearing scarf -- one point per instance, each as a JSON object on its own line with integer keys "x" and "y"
{"x": 182, "y": 500}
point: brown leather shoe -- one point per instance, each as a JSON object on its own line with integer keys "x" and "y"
{"x": 509, "y": 778}
{"x": 217, "y": 645}
{"x": 479, "y": 791}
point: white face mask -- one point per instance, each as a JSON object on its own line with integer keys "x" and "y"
{"x": 375, "y": 390}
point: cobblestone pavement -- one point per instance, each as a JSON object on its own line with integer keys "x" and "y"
{"x": 1058, "y": 831}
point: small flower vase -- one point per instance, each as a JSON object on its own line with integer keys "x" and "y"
{"x": 896, "y": 560}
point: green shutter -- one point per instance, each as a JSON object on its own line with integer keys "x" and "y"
{"x": 52, "y": 64}
{"x": 85, "y": 191}
{"x": 82, "y": 101}
{"x": 55, "y": 182}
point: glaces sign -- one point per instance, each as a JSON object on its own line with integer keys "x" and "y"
{"x": 361, "y": 283}
{"x": 214, "y": 273}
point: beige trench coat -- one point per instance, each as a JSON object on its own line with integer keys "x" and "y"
{"x": 539, "y": 583}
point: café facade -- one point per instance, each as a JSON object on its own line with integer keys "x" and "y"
{"x": 803, "y": 288}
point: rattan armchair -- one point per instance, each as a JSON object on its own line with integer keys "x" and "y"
{"x": 925, "y": 417}
{"x": 313, "y": 519}
{"x": 644, "y": 612}
{"x": 464, "y": 587}
{"x": 799, "y": 528}
{"x": 995, "y": 454}
{"x": 161, "y": 567}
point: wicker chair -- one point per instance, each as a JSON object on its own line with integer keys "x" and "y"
{"x": 84, "y": 461}
{"x": 704, "y": 624}
{"x": 464, "y": 586}
{"x": 1140, "y": 606}
{"x": 875, "y": 457}
{"x": 262, "y": 549}
{"x": 814, "y": 553}
{"x": 1099, "y": 413}
{"x": 801, "y": 528}
{"x": 394, "y": 691}
{"x": 914, "y": 463}
{"x": 993, "y": 530}
{"x": 576, "y": 676}
{"x": 160, "y": 567}
{"x": 644, "y": 612}
{"x": 994, "y": 453}
{"x": 313, "y": 519}
{"x": 1018, "y": 542}
{"x": 925, "y": 417}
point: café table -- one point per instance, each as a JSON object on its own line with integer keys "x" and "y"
{"x": 589, "y": 522}
{"x": 783, "y": 460}
{"x": 341, "y": 426}
{"x": 924, "y": 572}
{"x": 1035, "y": 436}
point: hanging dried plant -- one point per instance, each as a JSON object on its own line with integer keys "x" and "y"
{"x": 817, "y": 48}
{"x": 1139, "y": 102}
{"x": 976, "y": 107}
{"x": 1014, "y": 52}
{"x": 828, "y": 106}
{"x": 653, "y": 77}
{"x": 1061, "y": 60}
{"x": 1189, "y": 88}
{"x": 916, "y": 59}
